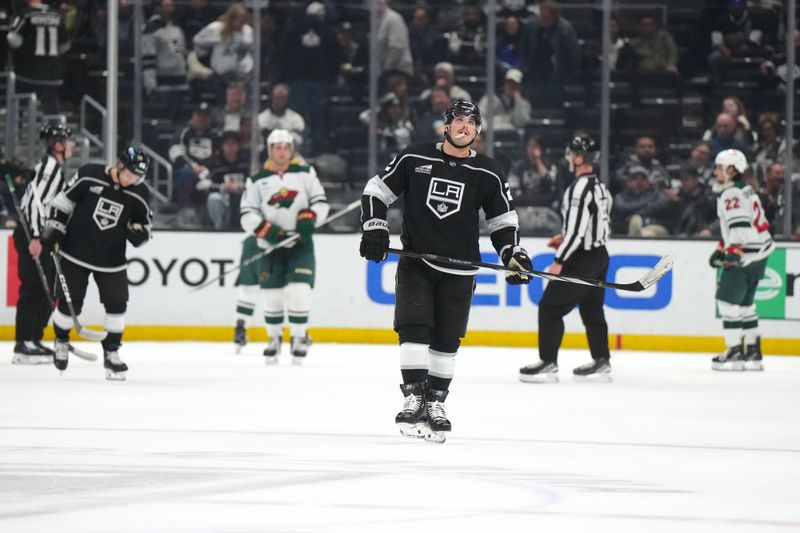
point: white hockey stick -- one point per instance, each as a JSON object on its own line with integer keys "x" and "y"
{"x": 282, "y": 244}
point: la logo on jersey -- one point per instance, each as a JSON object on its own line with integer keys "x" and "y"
{"x": 106, "y": 213}
{"x": 444, "y": 197}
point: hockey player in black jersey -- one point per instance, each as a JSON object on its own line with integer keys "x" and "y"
{"x": 33, "y": 306}
{"x": 92, "y": 220}
{"x": 444, "y": 186}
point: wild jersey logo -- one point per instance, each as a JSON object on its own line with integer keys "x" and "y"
{"x": 283, "y": 198}
{"x": 444, "y": 197}
{"x": 106, "y": 213}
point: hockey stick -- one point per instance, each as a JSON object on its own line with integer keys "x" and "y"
{"x": 42, "y": 277}
{"x": 86, "y": 333}
{"x": 282, "y": 244}
{"x": 655, "y": 273}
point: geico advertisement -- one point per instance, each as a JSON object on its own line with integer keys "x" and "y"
{"x": 351, "y": 293}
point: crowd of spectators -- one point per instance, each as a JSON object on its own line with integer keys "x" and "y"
{"x": 199, "y": 60}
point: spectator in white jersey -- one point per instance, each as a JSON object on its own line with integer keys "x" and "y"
{"x": 223, "y": 49}
{"x": 580, "y": 252}
{"x": 34, "y": 307}
{"x": 163, "y": 50}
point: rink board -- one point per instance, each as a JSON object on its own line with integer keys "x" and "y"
{"x": 353, "y": 300}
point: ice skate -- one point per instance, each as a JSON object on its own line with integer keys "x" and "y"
{"x": 240, "y": 336}
{"x": 598, "y": 371}
{"x": 411, "y": 419}
{"x": 300, "y": 349}
{"x": 539, "y": 372}
{"x": 61, "y": 357}
{"x": 753, "y": 359}
{"x": 29, "y": 353}
{"x": 438, "y": 424}
{"x": 116, "y": 370}
{"x": 272, "y": 351}
{"x": 732, "y": 359}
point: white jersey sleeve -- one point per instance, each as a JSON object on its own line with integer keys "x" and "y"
{"x": 742, "y": 223}
{"x": 317, "y": 200}
{"x": 249, "y": 209}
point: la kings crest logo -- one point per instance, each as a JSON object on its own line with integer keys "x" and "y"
{"x": 444, "y": 197}
{"x": 106, "y": 213}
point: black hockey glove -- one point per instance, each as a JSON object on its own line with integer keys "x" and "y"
{"x": 137, "y": 234}
{"x": 517, "y": 258}
{"x": 52, "y": 236}
{"x": 375, "y": 240}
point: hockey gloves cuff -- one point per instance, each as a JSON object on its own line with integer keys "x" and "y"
{"x": 517, "y": 258}
{"x": 375, "y": 240}
{"x": 306, "y": 223}
{"x": 718, "y": 256}
{"x": 270, "y": 232}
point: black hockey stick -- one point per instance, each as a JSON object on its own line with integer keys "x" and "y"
{"x": 86, "y": 333}
{"x": 282, "y": 244}
{"x": 655, "y": 273}
{"x": 42, "y": 277}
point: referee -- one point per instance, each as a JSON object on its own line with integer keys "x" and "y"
{"x": 33, "y": 306}
{"x": 580, "y": 252}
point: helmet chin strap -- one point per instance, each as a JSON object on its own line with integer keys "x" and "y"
{"x": 451, "y": 141}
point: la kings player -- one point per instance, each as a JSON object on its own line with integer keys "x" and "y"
{"x": 444, "y": 186}
{"x": 101, "y": 209}
{"x": 282, "y": 199}
{"x": 742, "y": 254}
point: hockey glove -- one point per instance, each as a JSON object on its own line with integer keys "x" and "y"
{"x": 306, "y": 223}
{"x": 733, "y": 256}
{"x": 517, "y": 258}
{"x": 52, "y": 236}
{"x": 718, "y": 256}
{"x": 270, "y": 232}
{"x": 375, "y": 240}
{"x": 137, "y": 234}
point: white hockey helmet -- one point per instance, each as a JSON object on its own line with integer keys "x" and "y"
{"x": 280, "y": 136}
{"x": 732, "y": 158}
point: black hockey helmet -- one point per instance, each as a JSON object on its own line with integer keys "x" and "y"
{"x": 53, "y": 131}
{"x": 583, "y": 144}
{"x": 463, "y": 108}
{"x": 135, "y": 160}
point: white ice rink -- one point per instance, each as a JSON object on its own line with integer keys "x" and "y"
{"x": 200, "y": 440}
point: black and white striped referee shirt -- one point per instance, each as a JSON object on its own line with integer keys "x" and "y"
{"x": 586, "y": 209}
{"x": 47, "y": 182}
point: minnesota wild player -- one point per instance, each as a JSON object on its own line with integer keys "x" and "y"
{"x": 284, "y": 198}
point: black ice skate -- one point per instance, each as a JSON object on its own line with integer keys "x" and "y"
{"x": 438, "y": 423}
{"x": 300, "y": 347}
{"x": 272, "y": 350}
{"x": 540, "y": 372}
{"x": 116, "y": 370}
{"x": 411, "y": 420}
{"x": 599, "y": 370}
{"x": 61, "y": 357}
{"x": 731, "y": 359}
{"x": 753, "y": 359}
{"x": 31, "y": 353}
{"x": 239, "y": 336}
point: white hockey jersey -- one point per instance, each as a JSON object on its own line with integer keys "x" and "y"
{"x": 742, "y": 223}
{"x": 278, "y": 198}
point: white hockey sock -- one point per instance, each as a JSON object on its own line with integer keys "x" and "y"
{"x": 273, "y": 311}
{"x": 246, "y": 302}
{"x": 731, "y": 322}
{"x": 442, "y": 364}
{"x": 115, "y": 323}
{"x": 61, "y": 320}
{"x": 750, "y": 324}
{"x": 298, "y": 300}
{"x": 413, "y": 356}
